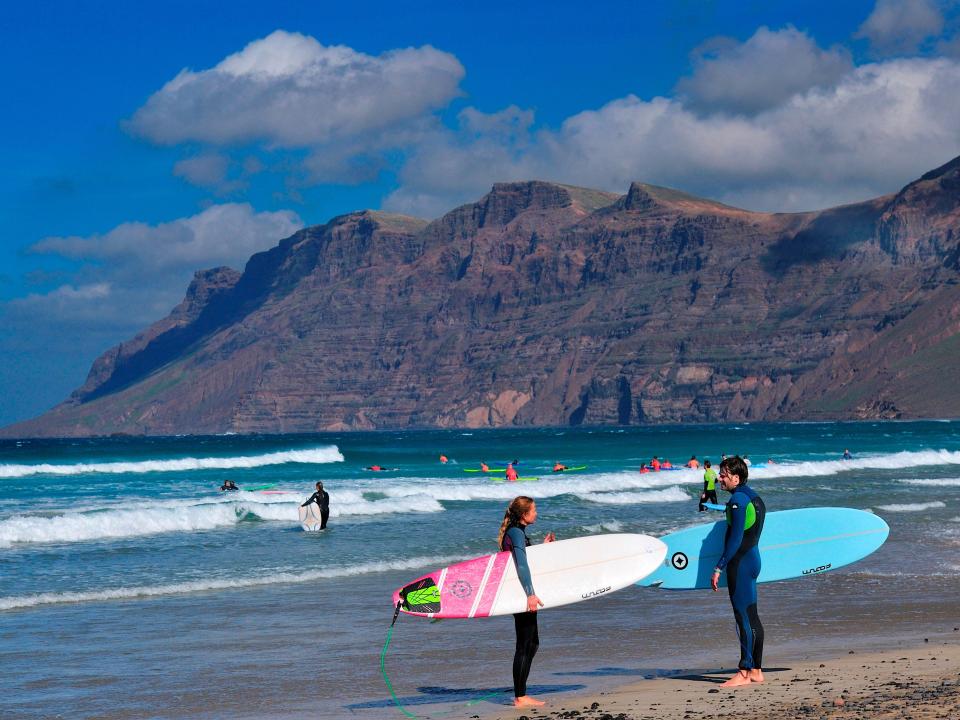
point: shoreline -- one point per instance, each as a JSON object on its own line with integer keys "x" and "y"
{"x": 919, "y": 680}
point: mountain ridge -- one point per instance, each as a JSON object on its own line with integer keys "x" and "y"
{"x": 549, "y": 304}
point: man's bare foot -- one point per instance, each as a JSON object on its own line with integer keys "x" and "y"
{"x": 741, "y": 678}
{"x": 527, "y": 701}
{"x": 756, "y": 675}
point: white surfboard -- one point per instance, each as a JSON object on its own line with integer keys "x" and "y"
{"x": 310, "y": 518}
{"x": 563, "y": 572}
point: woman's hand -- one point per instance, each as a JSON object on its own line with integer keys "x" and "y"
{"x": 550, "y": 537}
{"x": 533, "y": 602}
{"x": 715, "y": 580}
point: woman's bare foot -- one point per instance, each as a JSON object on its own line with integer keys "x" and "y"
{"x": 527, "y": 701}
{"x": 756, "y": 675}
{"x": 741, "y": 678}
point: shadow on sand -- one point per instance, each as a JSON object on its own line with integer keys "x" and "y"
{"x": 435, "y": 695}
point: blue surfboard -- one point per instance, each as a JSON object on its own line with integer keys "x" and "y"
{"x": 794, "y": 543}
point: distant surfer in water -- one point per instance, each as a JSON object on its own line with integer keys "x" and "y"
{"x": 228, "y": 485}
{"x": 484, "y": 467}
{"x": 511, "y": 473}
{"x": 321, "y": 498}
{"x": 847, "y": 455}
{"x": 709, "y": 493}
{"x": 521, "y": 512}
{"x": 559, "y": 467}
{"x": 444, "y": 459}
{"x": 741, "y": 562}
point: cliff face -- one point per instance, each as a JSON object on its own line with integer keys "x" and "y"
{"x": 544, "y": 304}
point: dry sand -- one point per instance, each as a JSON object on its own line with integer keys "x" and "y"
{"x": 907, "y": 683}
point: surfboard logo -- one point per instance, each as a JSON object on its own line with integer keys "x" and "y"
{"x": 594, "y": 593}
{"x": 818, "y": 569}
{"x": 680, "y": 561}
{"x": 461, "y": 589}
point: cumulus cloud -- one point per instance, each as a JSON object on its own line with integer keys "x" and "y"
{"x": 872, "y": 131}
{"x": 901, "y": 26}
{"x": 134, "y": 274}
{"x": 208, "y": 170}
{"x": 288, "y": 90}
{"x": 761, "y": 73}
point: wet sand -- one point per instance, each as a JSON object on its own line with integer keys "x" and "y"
{"x": 918, "y": 682}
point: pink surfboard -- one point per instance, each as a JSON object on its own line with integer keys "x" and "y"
{"x": 563, "y": 572}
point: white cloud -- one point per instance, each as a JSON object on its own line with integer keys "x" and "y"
{"x": 875, "y": 129}
{"x": 208, "y": 170}
{"x": 901, "y": 26}
{"x": 288, "y": 90}
{"x": 761, "y": 73}
{"x": 134, "y": 274}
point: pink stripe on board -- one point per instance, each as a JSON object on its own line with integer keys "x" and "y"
{"x": 461, "y": 586}
{"x": 493, "y": 584}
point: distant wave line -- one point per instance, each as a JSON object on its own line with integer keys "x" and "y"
{"x": 195, "y": 586}
{"x": 321, "y": 455}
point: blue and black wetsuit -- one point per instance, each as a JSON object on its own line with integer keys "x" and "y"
{"x": 516, "y": 541}
{"x": 741, "y": 560}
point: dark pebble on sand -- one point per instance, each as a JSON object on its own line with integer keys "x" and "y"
{"x": 594, "y": 706}
{"x": 713, "y": 691}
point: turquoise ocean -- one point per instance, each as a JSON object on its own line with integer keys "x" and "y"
{"x": 130, "y": 587}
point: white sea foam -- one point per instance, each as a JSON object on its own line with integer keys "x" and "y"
{"x": 911, "y": 507}
{"x": 214, "y": 584}
{"x": 671, "y": 494}
{"x": 891, "y": 461}
{"x": 181, "y": 516}
{"x": 608, "y": 526}
{"x": 935, "y": 482}
{"x": 319, "y": 455}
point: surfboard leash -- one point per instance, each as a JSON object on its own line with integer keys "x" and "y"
{"x": 383, "y": 672}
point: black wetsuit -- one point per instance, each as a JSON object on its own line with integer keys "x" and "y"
{"x": 516, "y": 541}
{"x": 741, "y": 560}
{"x": 321, "y": 498}
{"x": 225, "y": 488}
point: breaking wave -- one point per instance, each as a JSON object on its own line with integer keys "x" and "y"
{"x": 911, "y": 507}
{"x": 195, "y": 586}
{"x": 319, "y": 455}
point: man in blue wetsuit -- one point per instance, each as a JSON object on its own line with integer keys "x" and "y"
{"x": 741, "y": 561}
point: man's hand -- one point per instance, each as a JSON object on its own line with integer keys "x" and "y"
{"x": 550, "y": 537}
{"x": 533, "y": 602}
{"x": 715, "y": 580}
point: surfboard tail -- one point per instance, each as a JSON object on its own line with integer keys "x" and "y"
{"x": 421, "y": 596}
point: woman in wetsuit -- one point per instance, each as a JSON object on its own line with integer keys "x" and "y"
{"x": 522, "y": 512}
{"x": 741, "y": 561}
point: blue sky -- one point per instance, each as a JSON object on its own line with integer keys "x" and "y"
{"x": 141, "y": 143}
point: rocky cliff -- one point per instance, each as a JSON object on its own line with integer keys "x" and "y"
{"x": 544, "y": 304}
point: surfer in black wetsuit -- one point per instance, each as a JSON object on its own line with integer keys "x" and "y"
{"x": 522, "y": 512}
{"x": 741, "y": 561}
{"x": 228, "y": 485}
{"x": 321, "y": 498}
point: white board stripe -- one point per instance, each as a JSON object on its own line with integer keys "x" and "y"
{"x": 443, "y": 576}
{"x": 483, "y": 586}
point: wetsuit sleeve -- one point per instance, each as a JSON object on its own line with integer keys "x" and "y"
{"x": 737, "y": 507}
{"x": 310, "y": 500}
{"x": 519, "y": 549}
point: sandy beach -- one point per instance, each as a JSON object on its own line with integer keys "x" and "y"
{"x": 916, "y": 682}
